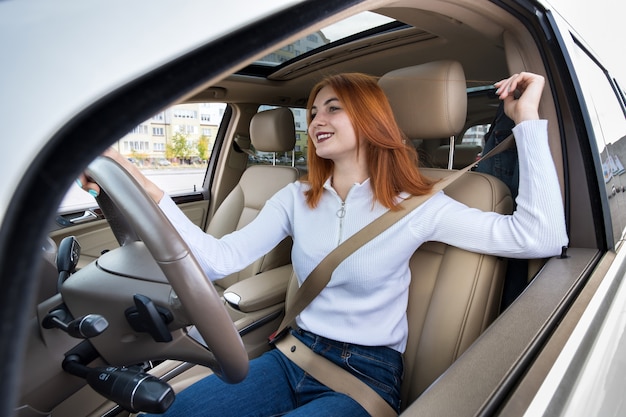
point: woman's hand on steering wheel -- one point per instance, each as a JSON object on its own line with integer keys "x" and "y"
{"x": 87, "y": 184}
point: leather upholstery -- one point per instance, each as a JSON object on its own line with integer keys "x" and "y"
{"x": 436, "y": 108}
{"x": 273, "y": 130}
{"x": 454, "y": 294}
{"x": 463, "y": 155}
{"x": 429, "y": 101}
{"x": 270, "y": 131}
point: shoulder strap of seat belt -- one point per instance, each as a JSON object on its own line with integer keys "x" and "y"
{"x": 320, "y": 368}
{"x": 320, "y": 276}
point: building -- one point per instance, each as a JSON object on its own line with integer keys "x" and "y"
{"x": 148, "y": 143}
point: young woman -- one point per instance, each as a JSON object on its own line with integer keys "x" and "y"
{"x": 360, "y": 167}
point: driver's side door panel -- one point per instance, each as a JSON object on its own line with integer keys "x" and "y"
{"x": 96, "y": 237}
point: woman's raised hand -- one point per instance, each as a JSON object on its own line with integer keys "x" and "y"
{"x": 521, "y": 94}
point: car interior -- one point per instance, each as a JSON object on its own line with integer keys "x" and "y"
{"x": 437, "y": 62}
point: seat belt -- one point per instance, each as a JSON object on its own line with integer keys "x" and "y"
{"x": 310, "y": 361}
{"x": 320, "y": 276}
{"x": 334, "y": 377}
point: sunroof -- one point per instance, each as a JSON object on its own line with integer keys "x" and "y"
{"x": 354, "y": 26}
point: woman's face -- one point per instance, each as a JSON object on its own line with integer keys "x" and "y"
{"x": 331, "y": 129}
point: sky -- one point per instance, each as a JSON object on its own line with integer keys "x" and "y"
{"x": 601, "y": 23}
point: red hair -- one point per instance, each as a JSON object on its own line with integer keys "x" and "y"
{"x": 391, "y": 161}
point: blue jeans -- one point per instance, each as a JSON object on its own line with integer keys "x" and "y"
{"x": 276, "y": 387}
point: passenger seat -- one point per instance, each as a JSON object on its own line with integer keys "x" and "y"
{"x": 454, "y": 294}
{"x": 270, "y": 131}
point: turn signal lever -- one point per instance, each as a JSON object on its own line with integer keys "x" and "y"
{"x": 131, "y": 388}
{"x": 84, "y": 327}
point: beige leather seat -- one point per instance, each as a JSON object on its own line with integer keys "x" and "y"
{"x": 270, "y": 131}
{"x": 462, "y": 155}
{"x": 454, "y": 294}
{"x": 436, "y": 153}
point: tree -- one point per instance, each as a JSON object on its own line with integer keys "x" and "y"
{"x": 179, "y": 147}
{"x": 169, "y": 151}
{"x": 203, "y": 148}
{"x": 138, "y": 156}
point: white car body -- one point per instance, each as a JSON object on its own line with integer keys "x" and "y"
{"x": 63, "y": 57}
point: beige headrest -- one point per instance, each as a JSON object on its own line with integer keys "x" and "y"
{"x": 429, "y": 101}
{"x": 273, "y": 130}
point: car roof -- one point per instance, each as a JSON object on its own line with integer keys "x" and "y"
{"x": 385, "y": 48}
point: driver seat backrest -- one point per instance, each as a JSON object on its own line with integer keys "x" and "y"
{"x": 270, "y": 131}
{"x": 454, "y": 294}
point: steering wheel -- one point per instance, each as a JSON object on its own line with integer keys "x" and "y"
{"x": 135, "y": 209}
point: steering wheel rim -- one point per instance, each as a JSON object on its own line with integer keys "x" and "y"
{"x": 196, "y": 292}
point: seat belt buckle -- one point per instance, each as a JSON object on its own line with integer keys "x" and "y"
{"x": 276, "y": 336}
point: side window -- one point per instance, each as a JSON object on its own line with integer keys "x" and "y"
{"x": 295, "y": 158}
{"x": 475, "y": 135}
{"x": 609, "y": 126}
{"x": 171, "y": 148}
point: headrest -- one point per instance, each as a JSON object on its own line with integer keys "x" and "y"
{"x": 273, "y": 130}
{"x": 429, "y": 101}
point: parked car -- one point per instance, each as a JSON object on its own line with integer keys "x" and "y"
{"x": 88, "y": 297}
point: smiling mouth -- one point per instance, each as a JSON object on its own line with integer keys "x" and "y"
{"x": 323, "y": 136}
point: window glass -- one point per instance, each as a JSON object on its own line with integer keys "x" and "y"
{"x": 354, "y": 25}
{"x": 475, "y": 135}
{"x": 171, "y": 148}
{"x": 609, "y": 126}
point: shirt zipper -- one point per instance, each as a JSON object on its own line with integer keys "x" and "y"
{"x": 341, "y": 213}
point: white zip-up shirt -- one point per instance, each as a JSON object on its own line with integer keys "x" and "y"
{"x": 366, "y": 299}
